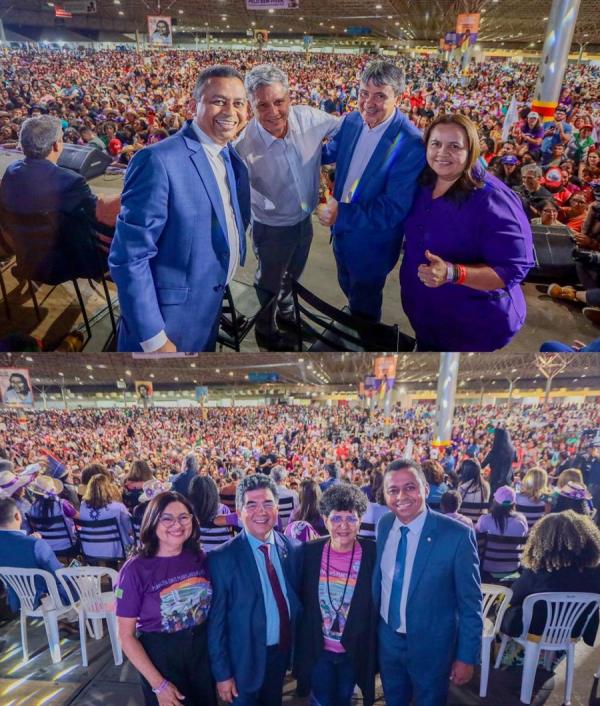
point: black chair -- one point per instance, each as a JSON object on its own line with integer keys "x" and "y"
{"x": 335, "y": 329}
{"x": 503, "y": 551}
{"x": 228, "y": 500}
{"x": 91, "y": 533}
{"x": 474, "y": 510}
{"x": 53, "y": 248}
{"x": 54, "y": 529}
{"x": 367, "y": 530}
{"x": 242, "y": 303}
{"x": 532, "y": 514}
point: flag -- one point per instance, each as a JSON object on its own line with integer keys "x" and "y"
{"x": 511, "y": 117}
{"x": 56, "y": 469}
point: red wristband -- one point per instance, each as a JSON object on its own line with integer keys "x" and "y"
{"x": 462, "y": 274}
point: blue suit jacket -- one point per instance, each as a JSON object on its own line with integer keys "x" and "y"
{"x": 368, "y": 232}
{"x": 39, "y": 185}
{"x": 170, "y": 253}
{"x": 237, "y": 622}
{"x": 443, "y": 610}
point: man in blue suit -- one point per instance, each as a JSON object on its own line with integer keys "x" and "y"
{"x": 181, "y": 231}
{"x": 379, "y": 155}
{"x": 428, "y": 589}
{"x": 255, "y": 601}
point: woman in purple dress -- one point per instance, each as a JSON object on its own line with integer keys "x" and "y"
{"x": 468, "y": 248}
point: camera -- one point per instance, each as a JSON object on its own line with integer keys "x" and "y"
{"x": 587, "y": 257}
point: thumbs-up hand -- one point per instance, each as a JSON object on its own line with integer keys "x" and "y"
{"x": 434, "y": 273}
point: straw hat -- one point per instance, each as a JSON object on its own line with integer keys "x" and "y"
{"x": 47, "y": 486}
{"x": 152, "y": 488}
{"x": 9, "y": 482}
{"x": 31, "y": 470}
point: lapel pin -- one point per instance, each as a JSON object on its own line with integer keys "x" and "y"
{"x": 429, "y": 539}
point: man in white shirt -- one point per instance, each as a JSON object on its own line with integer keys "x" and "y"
{"x": 379, "y": 155}
{"x": 428, "y": 589}
{"x": 181, "y": 232}
{"x": 281, "y": 147}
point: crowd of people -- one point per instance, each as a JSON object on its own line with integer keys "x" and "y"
{"x": 235, "y": 522}
{"x": 436, "y": 142}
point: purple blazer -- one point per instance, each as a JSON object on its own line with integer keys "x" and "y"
{"x": 490, "y": 227}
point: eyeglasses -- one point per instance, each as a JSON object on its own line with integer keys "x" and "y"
{"x": 339, "y": 519}
{"x": 268, "y": 506}
{"x": 169, "y": 520}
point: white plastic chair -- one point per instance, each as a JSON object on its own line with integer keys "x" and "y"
{"x": 22, "y": 581}
{"x": 492, "y": 596}
{"x": 563, "y": 610}
{"x": 83, "y": 585}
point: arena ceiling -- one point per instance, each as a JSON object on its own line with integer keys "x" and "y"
{"x": 318, "y": 373}
{"x": 508, "y": 23}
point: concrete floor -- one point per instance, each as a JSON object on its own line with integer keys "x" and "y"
{"x": 39, "y": 682}
{"x": 546, "y": 319}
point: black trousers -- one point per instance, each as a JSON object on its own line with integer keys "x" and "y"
{"x": 182, "y": 658}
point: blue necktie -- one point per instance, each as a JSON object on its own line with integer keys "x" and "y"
{"x": 234, "y": 200}
{"x": 394, "y": 606}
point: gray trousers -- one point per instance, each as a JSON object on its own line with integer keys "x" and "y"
{"x": 282, "y": 252}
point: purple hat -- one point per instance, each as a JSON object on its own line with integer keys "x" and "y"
{"x": 505, "y": 495}
{"x": 509, "y": 159}
{"x": 575, "y": 491}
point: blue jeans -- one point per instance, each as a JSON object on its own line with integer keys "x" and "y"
{"x": 402, "y": 680}
{"x": 332, "y": 680}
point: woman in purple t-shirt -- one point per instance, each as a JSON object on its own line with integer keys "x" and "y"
{"x": 336, "y": 641}
{"x": 163, "y": 598}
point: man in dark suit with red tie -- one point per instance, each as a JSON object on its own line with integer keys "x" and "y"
{"x": 255, "y": 602}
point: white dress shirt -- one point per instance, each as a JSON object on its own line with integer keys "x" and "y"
{"x": 285, "y": 172}
{"x": 388, "y": 564}
{"x": 213, "y": 152}
{"x": 365, "y": 146}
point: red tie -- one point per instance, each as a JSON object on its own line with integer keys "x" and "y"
{"x": 285, "y": 628}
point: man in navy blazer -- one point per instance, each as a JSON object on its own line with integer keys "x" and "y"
{"x": 255, "y": 601}
{"x": 37, "y": 184}
{"x": 181, "y": 231}
{"x": 427, "y": 586}
{"x": 379, "y": 155}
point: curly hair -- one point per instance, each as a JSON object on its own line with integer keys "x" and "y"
{"x": 343, "y": 498}
{"x": 434, "y": 472}
{"x": 562, "y": 540}
{"x": 258, "y": 481}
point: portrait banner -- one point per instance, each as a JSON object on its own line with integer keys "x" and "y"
{"x": 15, "y": 387}
{"x": 144, "y": 389}
{"x": 160, "y": 31}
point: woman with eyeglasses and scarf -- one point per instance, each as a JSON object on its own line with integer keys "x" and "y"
{"x": 336, "y": 638}
{"x": 163, "y": 598}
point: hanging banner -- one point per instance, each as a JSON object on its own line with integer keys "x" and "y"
{"x": 385, "y": 366}
{"x": 261, "y": 36}
{"x": 467, "y": 25}
{"x": 79, "y": 7}
{"x": 160, "y": 31}
{"x": 144, "y": 389}
{"x": 272, "y": 5}
{"x": 15, "y": 387}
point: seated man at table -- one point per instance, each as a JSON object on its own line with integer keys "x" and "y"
{"x": 37, "y": 184}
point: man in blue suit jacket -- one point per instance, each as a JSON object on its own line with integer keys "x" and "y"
{"x": 428, "y": 589}
{"x": 255, "y": 601}
{"x": 181, "y": 231}
{"x": 379, "y": 154}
